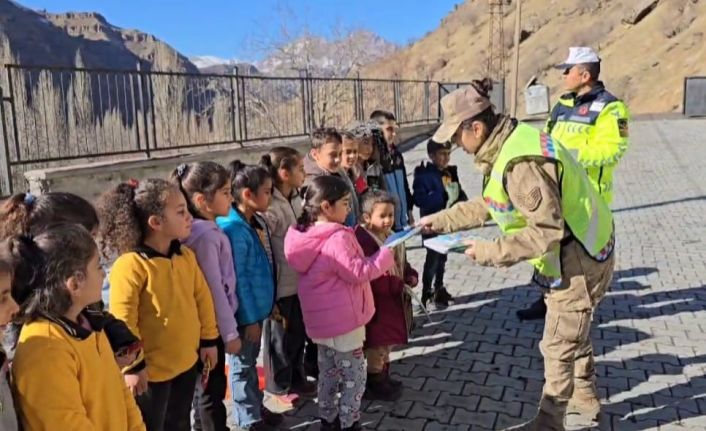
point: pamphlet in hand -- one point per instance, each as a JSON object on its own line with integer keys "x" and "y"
{"x": 451, "y": 242}
{"x": 399, "y": 237}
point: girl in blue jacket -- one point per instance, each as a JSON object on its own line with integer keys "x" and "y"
{"x": 249, "y": 237}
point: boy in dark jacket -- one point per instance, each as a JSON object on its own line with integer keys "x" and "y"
{"x": 436, "y": 187}
{"x": 392, "y": 321}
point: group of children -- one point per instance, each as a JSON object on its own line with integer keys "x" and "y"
{"x": 208, "y": 267}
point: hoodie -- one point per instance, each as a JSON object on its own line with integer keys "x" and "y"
{"x": 334, "y": 278}
{"x": 313, "y": 170}
{"x": 215, "y": 257}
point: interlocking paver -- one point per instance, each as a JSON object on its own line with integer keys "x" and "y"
{"x": 479, "y": 368}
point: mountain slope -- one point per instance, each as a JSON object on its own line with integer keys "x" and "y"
{"x": 644, "y": 63}
{"x": 30, "y": 37}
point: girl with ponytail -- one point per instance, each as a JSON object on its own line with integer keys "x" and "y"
{"x": 206, "y": 188}
{"x": 285, "y": 336}
{"x": 336, "y": 299}
{"x": 26, "y": 214}
{"x": 63, "y": 370}
{"x": 255, "y": 270}
{"x": 159, "y": 290}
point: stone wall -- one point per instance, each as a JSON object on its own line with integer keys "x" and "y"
{"x": 90, "y": 180}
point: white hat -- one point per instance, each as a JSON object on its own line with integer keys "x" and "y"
{"x": 579, "y": 55}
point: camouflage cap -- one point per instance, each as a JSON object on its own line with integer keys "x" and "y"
{"x": 457, "y": 106}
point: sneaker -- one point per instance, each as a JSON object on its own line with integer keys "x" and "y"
{"x": 306, "y": 389}
{"x": 271, "y": 418}
{"x": 330, "y": 426}
{"x": 442, "y": 297}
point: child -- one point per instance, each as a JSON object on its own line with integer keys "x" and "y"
{"x": 249, "y": 238}
{"x": 394, "y": 170}
{"x": 436, "y": 187}
{"x": 8, "y": 308}
{"x": 285, "y": 336}
{"x": 26, "y": 214}
{"x": 206, "y": 188}
{"x": 334, "y": 290}
{"x": 158, "y": 289}
{"x": 325, "y": 159}
{"x": 371, "y": 175}
{"x": 392, "y": 322}
{"x": 63, "y": 370}
{"x": 349, "y": 162}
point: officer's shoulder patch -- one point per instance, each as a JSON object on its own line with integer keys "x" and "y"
{"x": 623, "y": 127}
{"x": 531, "y": 199}
{"x": 597, "y": 106}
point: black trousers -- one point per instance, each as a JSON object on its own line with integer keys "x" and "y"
{"x": 434, "y": 267}
{"x": 283, "y": 348}
{"x": 166, "y": 406}
{"x": 209, "y": 410}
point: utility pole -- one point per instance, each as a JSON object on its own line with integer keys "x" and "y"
{"x": 496, "y": 41}
{"x": 516, "y": 66}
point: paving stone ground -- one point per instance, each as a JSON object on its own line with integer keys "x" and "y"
{"x": 477, "y": 367}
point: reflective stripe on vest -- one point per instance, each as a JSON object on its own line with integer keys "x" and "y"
{"x": 585, "y": 213}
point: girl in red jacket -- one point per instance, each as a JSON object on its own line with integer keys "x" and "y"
{"x": 392, "y": 320}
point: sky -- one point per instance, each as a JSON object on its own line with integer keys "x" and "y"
{"x": 228, "y": 29}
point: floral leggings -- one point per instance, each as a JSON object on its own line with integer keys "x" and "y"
{"x": 344, "y": 371}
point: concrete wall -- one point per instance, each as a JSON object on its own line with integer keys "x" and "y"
{"x": 90, "y": 180}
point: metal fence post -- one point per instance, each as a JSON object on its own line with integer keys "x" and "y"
{"x": 233, "y": 112}
{"x": 425, "y": 113}
{"x": 7, "y": 177}
{"x": 141, "y": 87}
{"x": 244, "y": 111}
{"x": 396, "y": 99}
{"x": 154, "y": 118}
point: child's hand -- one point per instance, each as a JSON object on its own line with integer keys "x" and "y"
{"x": 233, "y": 346}
{"x": 210, "y": 355}
{"x": 137, "y": 383}
{"x": 253, "y": 333}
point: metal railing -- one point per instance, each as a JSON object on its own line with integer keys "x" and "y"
{"x": 53, "y": 116}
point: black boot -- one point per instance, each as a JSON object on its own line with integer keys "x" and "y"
{"x": 390, "y": 380}
{"x": 442, "y": 297}
{"x": 378, "y": 388}
{"x": 427, "y": 294}
{"x": 330, "y": 426}
{"x": 536, "y": 311}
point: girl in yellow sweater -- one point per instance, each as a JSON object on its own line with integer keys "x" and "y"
{"x": 64, "y": 371}
{"x": 158, "y": 289}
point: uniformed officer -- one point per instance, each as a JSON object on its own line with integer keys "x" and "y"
{"x": 590, "y": 122}
{"x": 550, "y": 216}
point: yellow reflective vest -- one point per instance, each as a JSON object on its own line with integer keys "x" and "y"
{"x": 586, "y": 215}
{"x": 594, "y": 127}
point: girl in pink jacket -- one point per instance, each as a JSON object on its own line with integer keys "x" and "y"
{"x": 336, "y": 300}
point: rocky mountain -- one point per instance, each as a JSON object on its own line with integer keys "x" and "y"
{"x": 41, "y": 38}
{"x": 329, "y": 57}
{"x": 647, "y": 46}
